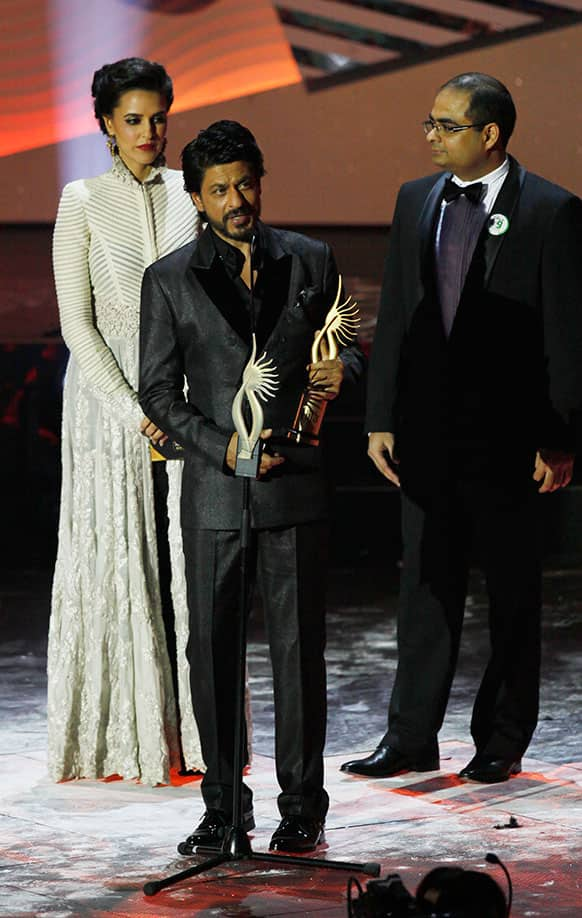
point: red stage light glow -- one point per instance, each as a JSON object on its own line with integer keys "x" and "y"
{"x": 214, "y": 52}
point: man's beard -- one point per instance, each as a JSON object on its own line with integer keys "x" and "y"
{"x": 237, "y": 233}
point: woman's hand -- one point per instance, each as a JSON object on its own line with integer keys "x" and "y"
{"x": 153, "y": 433}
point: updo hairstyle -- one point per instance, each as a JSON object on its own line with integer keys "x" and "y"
{"x": 112, "y": 80}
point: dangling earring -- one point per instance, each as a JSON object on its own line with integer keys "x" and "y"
{"x": 111, "y": 144}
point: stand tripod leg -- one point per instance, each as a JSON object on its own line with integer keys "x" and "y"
{"x": 371, "y": 868}
{"x": 154, "y": 886}
{"x": 243, "y": 610}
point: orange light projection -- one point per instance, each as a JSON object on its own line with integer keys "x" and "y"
{"x": 214, "y": 50}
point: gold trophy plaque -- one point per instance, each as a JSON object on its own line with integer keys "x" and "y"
{"x": 340, "y": 328}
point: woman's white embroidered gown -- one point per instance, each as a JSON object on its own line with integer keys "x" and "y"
{"x": 110, "y": 700}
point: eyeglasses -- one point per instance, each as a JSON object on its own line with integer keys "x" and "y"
{"x": 448, "y": 127}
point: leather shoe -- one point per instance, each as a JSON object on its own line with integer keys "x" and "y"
{"x": 490, "y": 769}
{"x": 298, "y": 833}
{"x": 210, "y": 832}
{"x": 386, "y": 761}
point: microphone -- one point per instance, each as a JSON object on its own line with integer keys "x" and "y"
{"x": 493, "y": 859}
{"x": 253, "y": 317}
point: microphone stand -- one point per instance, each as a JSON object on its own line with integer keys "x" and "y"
{"x": 236, "y": 845}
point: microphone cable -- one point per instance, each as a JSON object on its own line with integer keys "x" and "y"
{"x": 493, "y": 859}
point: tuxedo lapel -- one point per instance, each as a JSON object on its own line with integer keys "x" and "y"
{"x": 504, "y": 205}
{"x": 217, "y": 287}
{"x": 285, "y": 282}
{"x": 274, "y": 293}
{"x": 488, "y": 246}
{"x": 274, "y": 279}
{"x": 295, "y": 270}
{"x": 426, "y": 229}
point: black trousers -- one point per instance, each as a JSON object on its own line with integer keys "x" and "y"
{"x": 289, "y": 567}
{"x": 438, "y": 535}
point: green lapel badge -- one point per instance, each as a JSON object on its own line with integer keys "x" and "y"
{"x": 498, "y": 225}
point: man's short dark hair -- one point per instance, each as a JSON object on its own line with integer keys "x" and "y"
{"x": 222, "y": 142}
{"x": 490, "y": 101}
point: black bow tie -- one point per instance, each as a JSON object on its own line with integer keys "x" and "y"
{"x": 452, "y": 191}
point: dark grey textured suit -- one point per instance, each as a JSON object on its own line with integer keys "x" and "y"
{"x": 469, "y": 413}
{"x": 189, "y": 328}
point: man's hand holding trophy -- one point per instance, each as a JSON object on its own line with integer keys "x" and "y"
{"x": 326, "y": 369}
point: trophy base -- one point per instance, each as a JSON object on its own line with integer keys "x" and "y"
{"x": 248, "y": 466}
{"x": 308, "y": 419}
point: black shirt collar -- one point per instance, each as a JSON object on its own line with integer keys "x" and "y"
{"x": 231, "y": 257}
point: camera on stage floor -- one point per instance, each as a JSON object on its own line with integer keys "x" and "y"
{"x": 445, "y": 892}
{"x": 386, "y": 898}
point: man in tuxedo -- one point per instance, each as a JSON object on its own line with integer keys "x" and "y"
{"x": 474, "y": 399}
{"x": 200, "y": 306}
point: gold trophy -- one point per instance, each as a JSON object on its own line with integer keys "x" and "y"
{"x": 340, "y": 328}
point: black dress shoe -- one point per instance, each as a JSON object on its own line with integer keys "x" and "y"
{"x": 490, "y": 769}
{"x": 298, "y": 833}
{"x": 211, "y": 831}
{"x": 386, "y": 761}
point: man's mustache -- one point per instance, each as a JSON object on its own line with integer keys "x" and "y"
{"x": 239, "y": 212}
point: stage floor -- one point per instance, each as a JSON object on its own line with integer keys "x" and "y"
{"x": 85, "y": 848}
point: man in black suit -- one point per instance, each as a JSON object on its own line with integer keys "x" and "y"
{"x": 198, "y": 314}
{"x": 475, "y": 392}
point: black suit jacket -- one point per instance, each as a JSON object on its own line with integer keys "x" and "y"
{"x": 184, "y": 334}
{"x": 509, "y": 378}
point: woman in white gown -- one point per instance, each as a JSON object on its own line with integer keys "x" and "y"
{"x": 111, "y": 704}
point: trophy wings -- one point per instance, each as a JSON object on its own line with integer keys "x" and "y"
{"x": 259, "y": 381}
{"x": 341, "y": 325}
